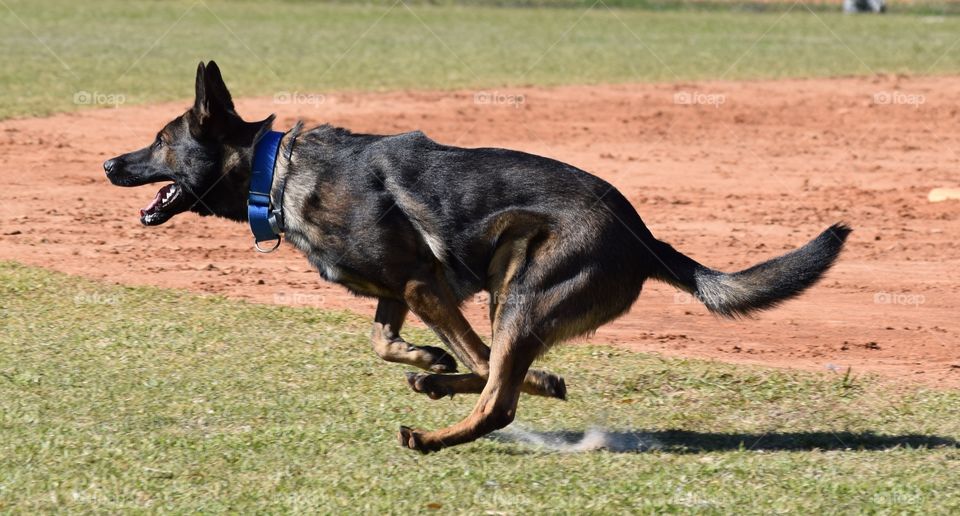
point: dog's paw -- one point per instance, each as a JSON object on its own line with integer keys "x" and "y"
{"x": 555, "y": 387}
{"x": 411, "y": 439}
{"x": 548, "y": 385}
{"x": 443, "y": 362}
{"x": 427, "y": 384}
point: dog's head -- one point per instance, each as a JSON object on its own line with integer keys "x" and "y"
{"x": 204, "y": 156}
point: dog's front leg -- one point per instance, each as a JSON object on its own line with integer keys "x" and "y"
{"x": 388, "y": 344}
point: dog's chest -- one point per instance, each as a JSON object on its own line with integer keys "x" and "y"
{"x": 326, "y": 261}
{"x": 328, "y": 270}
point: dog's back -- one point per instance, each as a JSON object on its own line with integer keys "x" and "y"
{"x": 463, "y": 202}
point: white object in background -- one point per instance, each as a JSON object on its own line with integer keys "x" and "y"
{"x": 943, "y": 194}
{"x": 864, "y": 6}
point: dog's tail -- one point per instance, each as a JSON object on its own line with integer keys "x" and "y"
{"x": 760, "y": 287}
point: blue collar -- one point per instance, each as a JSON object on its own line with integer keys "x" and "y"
{"x": 266, "y": 220}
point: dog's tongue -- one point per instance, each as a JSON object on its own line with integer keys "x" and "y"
{"x": 159, "y": 199}
{"x": 153, "y": 204}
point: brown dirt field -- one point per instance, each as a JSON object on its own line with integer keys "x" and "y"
{"x": 730, "y": 184}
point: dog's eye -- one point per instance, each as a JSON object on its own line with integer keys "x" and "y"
{"x": 157, "y": 144}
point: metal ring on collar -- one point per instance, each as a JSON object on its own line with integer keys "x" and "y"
{"x": 276, "y": 244}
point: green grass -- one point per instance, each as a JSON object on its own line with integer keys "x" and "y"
{"x": 54, "y": 52}
{"x": 115, "y": 398}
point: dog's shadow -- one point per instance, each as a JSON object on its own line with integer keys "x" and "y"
{"x": 683, "y": 441}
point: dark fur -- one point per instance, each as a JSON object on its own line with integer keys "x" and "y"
{"x": 423, "y": 226}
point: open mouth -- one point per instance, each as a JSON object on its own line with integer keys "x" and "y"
{"x": 169, "y": 201}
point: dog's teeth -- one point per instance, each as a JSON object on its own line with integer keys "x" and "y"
{"x": 169, "y": 194}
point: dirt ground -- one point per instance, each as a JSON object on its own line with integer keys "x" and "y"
{"x": 729, "y": 172}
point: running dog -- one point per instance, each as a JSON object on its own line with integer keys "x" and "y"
{"x": 422, "y": 226}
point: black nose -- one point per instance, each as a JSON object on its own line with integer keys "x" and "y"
{"x": 108, "y": 165}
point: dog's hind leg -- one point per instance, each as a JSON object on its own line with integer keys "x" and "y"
{"x": 555, "y": 296}
{"x": 388, "y": 344}
{"x": 510, "y": 360}
{"x": 431, "y": 299}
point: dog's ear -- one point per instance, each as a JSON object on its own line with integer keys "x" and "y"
{"x": 200, "y": 98}
{"x": 213, "y": 113}
{"x": 212, "y": 96}
{"x": 215, "y": 90}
